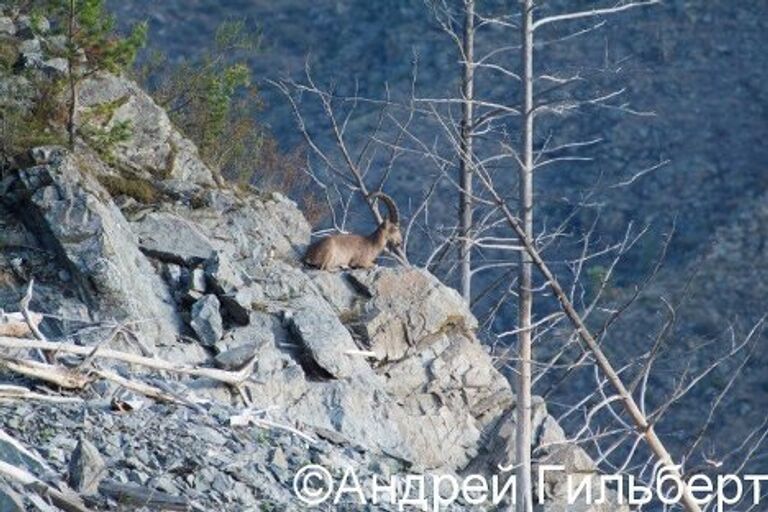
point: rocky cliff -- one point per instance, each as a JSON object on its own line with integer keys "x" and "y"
{"x": 140, "y": 253}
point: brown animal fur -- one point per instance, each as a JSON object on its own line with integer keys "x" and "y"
{"x": 356, "y": 251}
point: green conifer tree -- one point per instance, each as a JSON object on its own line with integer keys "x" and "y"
{"x": 91, "y": 46}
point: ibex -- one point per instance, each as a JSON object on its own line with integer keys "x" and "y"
{"x": 356, "y": 251}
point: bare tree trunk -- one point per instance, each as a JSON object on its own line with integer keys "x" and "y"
{"x": 465, "y": 167}
{"x": 643, "y": 426}
{"x": 525, "y": 293}
{"x": 71, "y": 56}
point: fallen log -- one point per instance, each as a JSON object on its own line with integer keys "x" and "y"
{"x": 10, "y": 392}
{"x": 228, "y": 377}
{"x": 55, "y": 374}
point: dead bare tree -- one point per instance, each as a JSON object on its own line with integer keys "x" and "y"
{"x": 525, "y": 205}
{"x": 623, "y": 394}
{"x": 525, "y": 279}
{"x": 465, "y": 167}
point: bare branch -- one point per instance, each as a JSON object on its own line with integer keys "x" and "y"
{"x": 224, "y": 376}
{"x": 593, "y": 12}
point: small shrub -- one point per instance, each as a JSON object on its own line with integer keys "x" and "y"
{"x": 23, "y": 128}
{"x": 94, "y": 37}
{"x": 139, "y": 189}
{"x": 283, "y": 172}
{"x": 50, "y": 120}
{"x": 104, "y": 139}
{"x": 9, "y": 54}
{"x": 214, "y": 103}
{"x": 97, "y": 133}
{"x": 211, "y": 99}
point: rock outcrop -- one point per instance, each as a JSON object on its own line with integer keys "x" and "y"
{"x": 382, "y": 366}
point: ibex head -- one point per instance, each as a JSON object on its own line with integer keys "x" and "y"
{"x": 390, "y": 226}
{"x": 356, "y": 251}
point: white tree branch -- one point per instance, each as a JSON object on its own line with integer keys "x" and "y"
{"x": 592, "y": 13}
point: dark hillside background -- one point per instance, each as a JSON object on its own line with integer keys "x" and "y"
{"x": 700, "y": 65}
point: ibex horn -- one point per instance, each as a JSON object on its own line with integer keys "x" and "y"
{"x": 394, "y": 215}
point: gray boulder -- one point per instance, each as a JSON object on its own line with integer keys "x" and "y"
{"x": 435, "y": 379}
{"x": 30, "y": 47}
{"x": 228, "y": 282}
{"x": 28, "y": 26}
{"x": 236, "y": 358}
{"x": 206, "y": 320}
{"x": 55, "y": 67}
{"x": 342, "y": 292}
{"x": 156, "y": 149}
{"x": 7, "y": 26}
{"x": 454, "y": 372}
{"x": 408, "y": 306}
{"x": 86, "y": 468}
{"x": 172, "y": 239}
{"x": 254, "y": 231}
{"x": 363, "y": 415}
{"x": 261, "y": 329}
{"x": 71, "y": 214}
{"x": 16, "y": 92}
{"x": 326, "y": 341}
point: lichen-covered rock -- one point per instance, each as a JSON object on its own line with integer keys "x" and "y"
{"x": 229, "y": 284}
{"x": 86, "y": 468}
{"x": 206, "y": 320}
{"x": 7, "y": 26}
{"x": 155, "y": 147}
{"x": 325, "y": 339}
{"x": 385, "y": 360}
{"x": 70, "y": 213}
{"x": 173, "y": 239}
{"x": 408, "y": 305}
